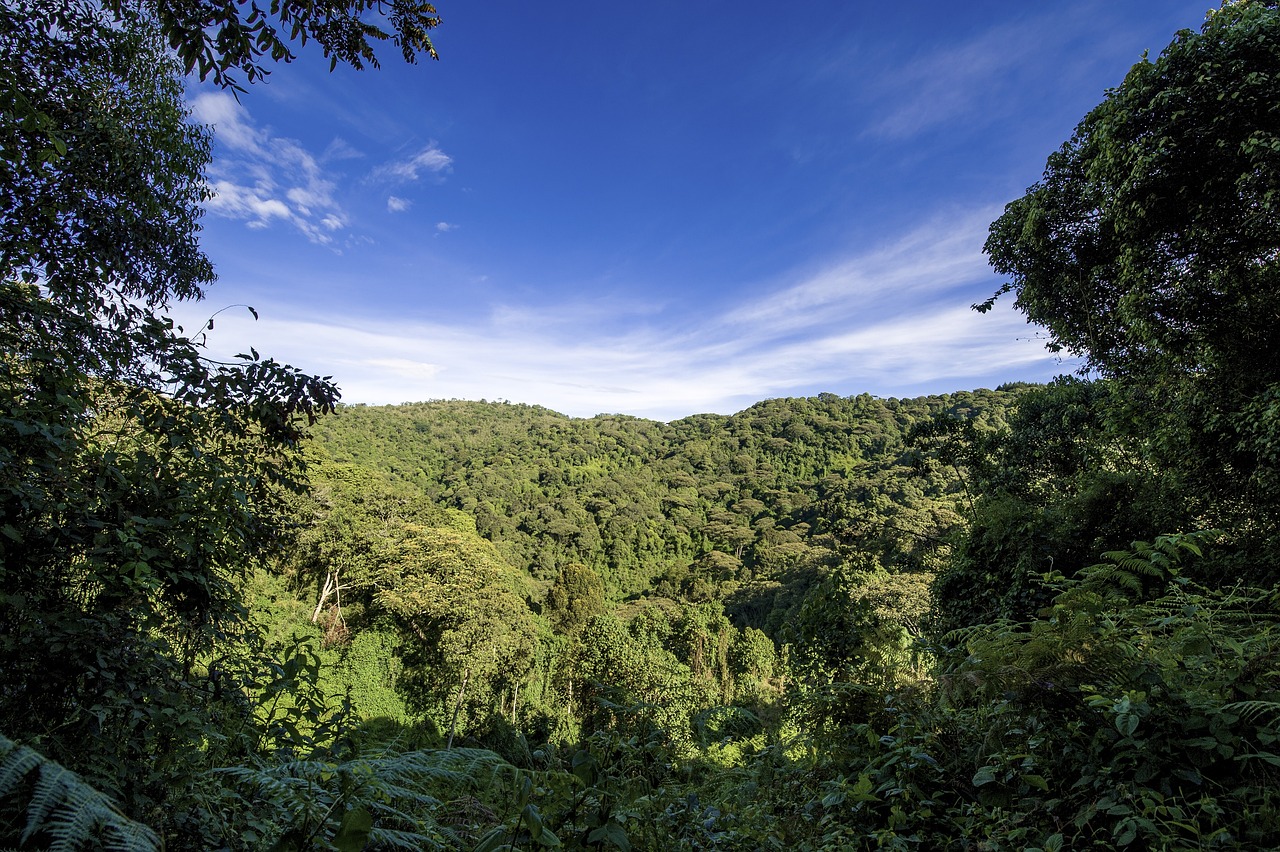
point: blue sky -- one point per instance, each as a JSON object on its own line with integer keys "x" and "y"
{"x": 657, "y": 210}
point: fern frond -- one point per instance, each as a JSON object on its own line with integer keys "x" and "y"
{"x": 65, "y": 808}
{"x": 404, "y": 793}
{"x": 48, "y": 794}
{"x": 1250, "y": 711}
{"x": 15, "y": 764}
{"x": 70, "y": 827}
{"x": 412, "y": 840}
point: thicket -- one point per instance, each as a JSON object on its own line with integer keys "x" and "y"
{"x": 950, "y": 622}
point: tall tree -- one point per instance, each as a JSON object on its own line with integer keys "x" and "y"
{"x": 471, "y": 636}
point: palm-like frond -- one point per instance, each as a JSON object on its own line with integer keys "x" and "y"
{"x": 1251, "y": 711}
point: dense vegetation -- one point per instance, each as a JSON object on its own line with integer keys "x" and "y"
{"x": 1030, "y": 618}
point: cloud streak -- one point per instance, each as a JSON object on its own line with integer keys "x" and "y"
{"x": 966, "y": 81}
{"x": 938, "y": 256}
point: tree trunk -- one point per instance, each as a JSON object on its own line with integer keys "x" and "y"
{"x": 331, "y": 587}
{"x": 457, "y": 706}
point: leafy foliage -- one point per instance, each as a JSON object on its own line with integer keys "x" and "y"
{"x": 137, "y": 479}
{"x": 706, "y": 507}
{"x": 820, "y": 623}
{"x": 392, "y": 801}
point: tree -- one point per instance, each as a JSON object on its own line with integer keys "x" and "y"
{"x": 618, "y": 680}
{"x": 575, "y": 598}
{"x": 349, "y": 525}
{"x": 859, "y": 624}
{"x": 138, "y": 479}
{"x": 1151, "y": 246}
{"x": 1064, "y": 481}
{"x": 472, "y": 636}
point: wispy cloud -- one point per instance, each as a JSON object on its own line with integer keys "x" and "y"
{"x": 937, "y": 256}
{"x": 398, "y": 205}
{"x": 445, "y": 227}
{"x": 261, "y": 178}
{"x": 891, "y": 320}
{"x": 941, "y": 86}
{"x": 429, "y": 159}
{"x": 340, "y": 149}
{"x": 975, "y": 81}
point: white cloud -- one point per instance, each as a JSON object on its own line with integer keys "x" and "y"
{"x": 445, "y": 227}
{"x": 406, "y": 368}
{"x": 340, "y": 149}
{"x": 239, "y": 202}
{"x": 398, "y": 205}
{"x": 230, "y": 121}
{"x": 894, "y": 320}
{"x": 941, "y": 254}
{"x": 261, "y": 178}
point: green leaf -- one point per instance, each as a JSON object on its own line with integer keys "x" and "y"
{"x": 1036, "y": 781}
{"x": 492, "y": 841}
{"x": 353, "y": 834}
{"x": 985, "y": 775}
{"x": 613, "y": 833}
{"x": 533, "y": 819}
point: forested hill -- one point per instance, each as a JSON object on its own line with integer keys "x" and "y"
{"x": 702, "y": 506}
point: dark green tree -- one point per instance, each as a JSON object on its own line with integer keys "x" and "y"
{"x": 575, "y": 598}
{"x": 217, "y": 38}
{"x": 1064, "y": 481}
{"x": 1151, "y": 247}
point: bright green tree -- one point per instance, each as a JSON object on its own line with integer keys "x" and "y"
{"x": 472, "y": 639}
{"x": 575, "y": 598}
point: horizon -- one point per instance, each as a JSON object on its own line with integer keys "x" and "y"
{"x": 601, "y": 414}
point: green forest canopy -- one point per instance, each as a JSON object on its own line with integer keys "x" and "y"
{"x": 1036, "y": 617}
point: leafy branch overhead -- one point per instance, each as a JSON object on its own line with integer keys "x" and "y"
{"x": 216, "y": 38}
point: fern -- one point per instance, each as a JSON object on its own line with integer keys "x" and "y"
{"x": 1093, "y": 632}
{"x": 62, "y": 812}
{"x": 15, "y": 764}
{"x": 1144, "y": 564}
{"x": 404, "y": 794}
{"x": 1252, "y": 710}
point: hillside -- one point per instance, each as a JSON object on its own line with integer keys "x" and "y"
{"x": 711, "y": 501}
